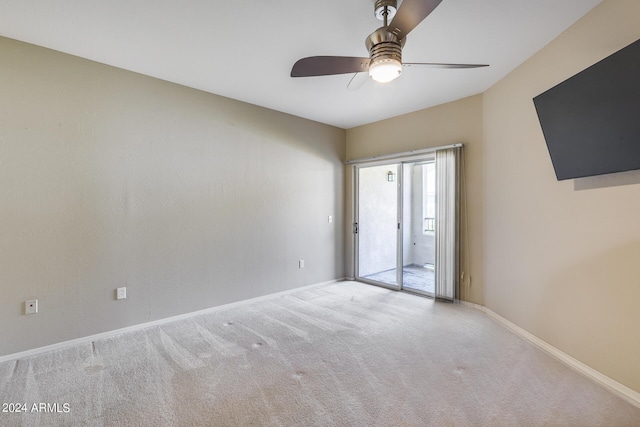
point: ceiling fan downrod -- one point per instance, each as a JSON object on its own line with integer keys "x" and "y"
{"x": 385, "y": 10}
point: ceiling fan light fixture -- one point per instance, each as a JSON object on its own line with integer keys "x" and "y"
{"x": 385, "y": 51}
{"x": 384, "y": 70}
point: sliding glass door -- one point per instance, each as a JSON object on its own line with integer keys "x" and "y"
{"x": 395, "y": 241}
{"x": 377, "y": 224}
{"x": 407, "y": 224}
{"x": 418, "y": 219}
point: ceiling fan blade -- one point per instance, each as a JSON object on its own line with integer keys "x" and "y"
{"x": 329, "y": 65}
{"x": 410, "y": 14}
{"x": 440, "y": 65}
{"x": 358, "y": 80}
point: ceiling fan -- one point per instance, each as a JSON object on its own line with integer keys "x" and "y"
{"x": 384, "y": 45}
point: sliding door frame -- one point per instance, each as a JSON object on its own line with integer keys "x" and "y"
{"x": 399, "y": 162}
{"x": 356, "y": 222}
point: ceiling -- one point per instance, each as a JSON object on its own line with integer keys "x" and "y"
{"x": 244, "y": 49}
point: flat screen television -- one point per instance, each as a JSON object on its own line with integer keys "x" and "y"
{"x": 591, "y": 122}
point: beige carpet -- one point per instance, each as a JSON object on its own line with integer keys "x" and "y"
{"x": 345, "y": 354}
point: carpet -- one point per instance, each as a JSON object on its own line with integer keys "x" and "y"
{"x": 344, "y": 354}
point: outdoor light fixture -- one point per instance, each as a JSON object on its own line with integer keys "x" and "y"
{"x": 391, "y": 176}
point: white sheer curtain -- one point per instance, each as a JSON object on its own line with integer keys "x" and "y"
{"x": 447, "y": 223}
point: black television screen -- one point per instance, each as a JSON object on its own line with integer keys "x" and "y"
{"x": 591, "y": 122}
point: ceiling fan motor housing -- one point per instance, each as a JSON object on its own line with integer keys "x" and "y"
{"x": 384, "y": 46}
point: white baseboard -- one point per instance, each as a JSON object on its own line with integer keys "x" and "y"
{"x": 90, "y": 338}
{"x": 621, "y": 390}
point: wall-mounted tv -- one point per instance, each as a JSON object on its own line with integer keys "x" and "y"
{"x": 591, "y": 122}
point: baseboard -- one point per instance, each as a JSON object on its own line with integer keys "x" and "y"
{"x": 108, "y": 334}
{"x": 615, "y": 387}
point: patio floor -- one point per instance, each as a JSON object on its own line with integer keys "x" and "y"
{"x": 414, "y": 277}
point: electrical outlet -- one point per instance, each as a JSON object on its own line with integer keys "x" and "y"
{"x": 301, "y": 263}
{"x": 31, "y": 306}
{"x": 121, "y": 293}
{"x": 330, "y": 219}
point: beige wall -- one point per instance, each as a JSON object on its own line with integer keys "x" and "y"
{"x": 109, "y": 178}
{"x": 561, "y": 261}
{"x": 459, "y": 121}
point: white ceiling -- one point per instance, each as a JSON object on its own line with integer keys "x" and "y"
{"x": 244, "y": 49}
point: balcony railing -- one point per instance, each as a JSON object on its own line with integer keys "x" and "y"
{"x": 429, "y": 224}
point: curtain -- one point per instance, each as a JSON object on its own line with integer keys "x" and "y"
{"x": 447, "y": 223}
